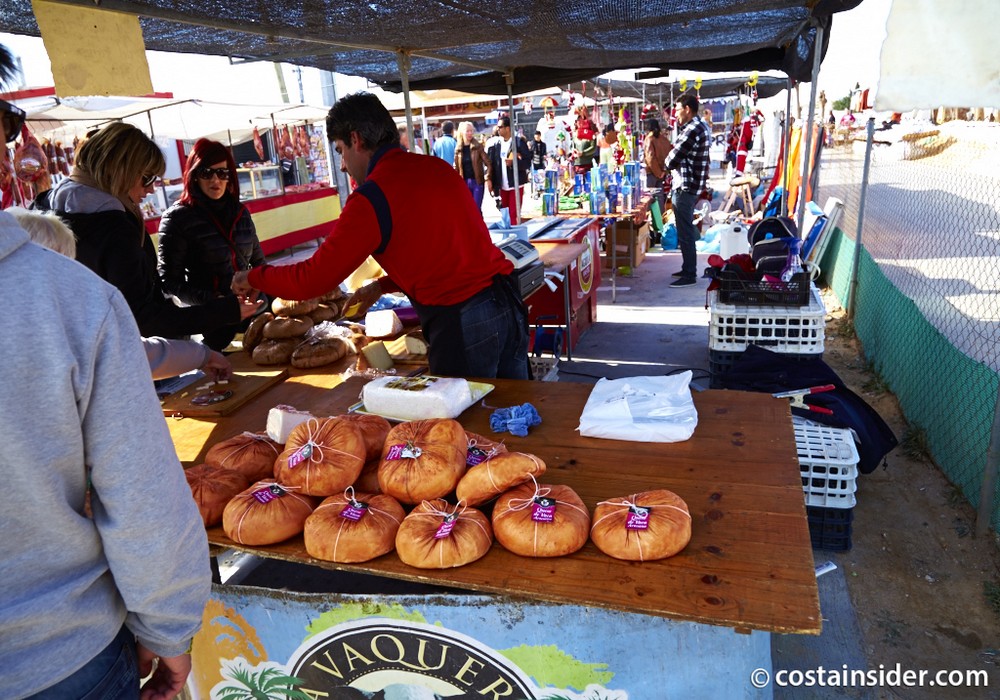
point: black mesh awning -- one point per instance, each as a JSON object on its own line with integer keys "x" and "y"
{"x": 473, "y": 45}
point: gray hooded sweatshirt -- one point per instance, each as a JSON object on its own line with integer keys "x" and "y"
{"x": 77, "y": 399}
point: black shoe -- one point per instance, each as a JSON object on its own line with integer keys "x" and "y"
{"x": 684, "y": 282}
{"x": 677, "y": 274}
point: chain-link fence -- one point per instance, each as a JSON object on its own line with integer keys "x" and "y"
{"x": 927, "y": 302}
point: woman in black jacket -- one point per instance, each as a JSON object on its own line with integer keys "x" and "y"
{"x": 207, "y": 235}
{"x": 115, "y": 169}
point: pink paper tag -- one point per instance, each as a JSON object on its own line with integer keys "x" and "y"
{"x": 268, "y": 493}
{"x": 446, "y": 527}
{"x": 403, "y": 452}
{"x": 355, "y": 510}
{"x": 543, "y": 510}
{"x": 300, "y": 455}
{"x": 638, "y": 518}
{"x": 475, "y": 456}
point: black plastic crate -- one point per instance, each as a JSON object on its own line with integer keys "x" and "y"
{"x": 721, "y": 361}
{"x": 736, "y": 290}
{"x": 830, "y": 528}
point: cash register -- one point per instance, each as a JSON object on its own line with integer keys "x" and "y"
{"x": 529, "y": 272}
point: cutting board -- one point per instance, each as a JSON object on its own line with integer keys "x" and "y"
{"x": 244, "y": 385}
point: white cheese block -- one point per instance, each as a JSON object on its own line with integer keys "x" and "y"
{"x": 416, "y": 398}
{"x": 382, "y": 324}
{"x": 415, "y": 344}
{"x": 377, "y": 355}
{"x": 282, "y": 419}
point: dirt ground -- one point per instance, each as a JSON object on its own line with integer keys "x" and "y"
{"x": 925, "y": 590}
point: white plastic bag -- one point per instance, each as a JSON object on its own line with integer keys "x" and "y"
{"x": 641, "y": 409}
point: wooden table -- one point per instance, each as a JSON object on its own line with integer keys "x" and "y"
{"x": 749, "y": 564}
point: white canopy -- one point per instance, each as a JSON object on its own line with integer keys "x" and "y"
{"x": 185, "y": 120}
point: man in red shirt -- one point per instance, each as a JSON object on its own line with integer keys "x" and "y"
{"x": 416, "y": 217}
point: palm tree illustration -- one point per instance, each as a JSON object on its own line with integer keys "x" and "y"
{"x": 265, "y": 684}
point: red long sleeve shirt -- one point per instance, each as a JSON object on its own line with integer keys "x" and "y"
{"x": 440, "y": 252}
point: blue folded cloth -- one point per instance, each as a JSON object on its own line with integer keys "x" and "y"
{"x": 516, "y": 419}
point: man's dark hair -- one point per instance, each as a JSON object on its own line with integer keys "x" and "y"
{"x": 8, "y": 66}
{"x": 538, "y": 133}
{"x": 609, "y": 128}
{"x": 448, "y": 128}
{"x": 364, "y": 113}
{"x": 503, "y": 121}
{"x": 689, "y": 101}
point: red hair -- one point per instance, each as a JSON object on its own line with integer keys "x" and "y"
{"x": 207, "y": 153}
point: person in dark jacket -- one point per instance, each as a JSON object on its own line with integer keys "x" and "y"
{"x": 207, "y": 235}
{"x": 114, "y": 171}
{"x": 500, "y": 170}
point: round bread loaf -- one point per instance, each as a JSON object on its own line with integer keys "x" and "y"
{"x": 266, "y": 513}
{"x": 479, "y": 448}
{"x": 422, "y": 459}
{"x": 255, "y": 331}
{"x": 354, "y": 527}
{"x": 320, "y": 351}
{"x": 212, "y": 489}
{"x": 642, "y": 527}
{"x": 327, "y": 311}
{"x": 489, "y": 479}
{"x": 251, "y": 454}
{"x": 375, "y": 430}
{"x": 274, "y": 352}
{"x": 438, "y": 535}
{"x": 367, "y": 481}
{"x": 288, "y": 307}
{"x": 547, "y": 520}
{"x": 323, "y": 456}
{"x": 287, "y": 327}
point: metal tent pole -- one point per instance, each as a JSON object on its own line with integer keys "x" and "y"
{"x": 509, "y": 79}
{"x": 852, "y": 289}
{"x": 403, "y": 60}
{"x": 807, "y": 157}
{"x": 788, "y": 144}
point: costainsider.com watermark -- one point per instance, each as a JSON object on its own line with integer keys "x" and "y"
{"x": 882, "y": 677}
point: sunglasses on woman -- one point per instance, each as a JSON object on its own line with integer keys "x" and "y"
{"x": 150, "y": 180}
{"x": 207, "y": 173}
{"x": 13, "y": 119}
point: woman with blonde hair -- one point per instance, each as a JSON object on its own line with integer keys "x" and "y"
{"x": 470, "y": 161}
{"x": 115, "y": 169}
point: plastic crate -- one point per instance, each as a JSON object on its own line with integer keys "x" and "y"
{"x": 735, "y": 290}
{"x": 721, "y": 361}
{"x": 828, "y": 462}
{"x": 830, "y": 528}
{"x": 781, "y": 329}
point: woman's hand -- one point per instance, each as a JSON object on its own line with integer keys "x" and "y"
{"x": 217, "y": 367}
{"x": 168, "y": 679}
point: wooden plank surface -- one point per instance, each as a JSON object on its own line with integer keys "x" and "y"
{"x": 749, "y": 564}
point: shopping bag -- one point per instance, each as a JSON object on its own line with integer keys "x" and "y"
{"x": 641, "y": 409}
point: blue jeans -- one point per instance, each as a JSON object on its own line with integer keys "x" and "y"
{"x": 476, "y": 188}
{"x": 687, "y": 232}
{"x": 111, "y": 675}
{"x": 484, "y": 336}
{"x": 496, "y": 342}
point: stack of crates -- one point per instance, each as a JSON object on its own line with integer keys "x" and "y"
{"x": 796, "y": 332}
{"x": 828, "y": 462}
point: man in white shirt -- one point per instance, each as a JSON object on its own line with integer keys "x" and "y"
{"x": 500, "y": 174}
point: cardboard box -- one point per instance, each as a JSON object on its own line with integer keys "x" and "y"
{"x": 631, "y": 243}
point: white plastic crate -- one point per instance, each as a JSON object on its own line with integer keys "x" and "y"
{"x": 786, "y": 329}
{"x": 828, "y": 462}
